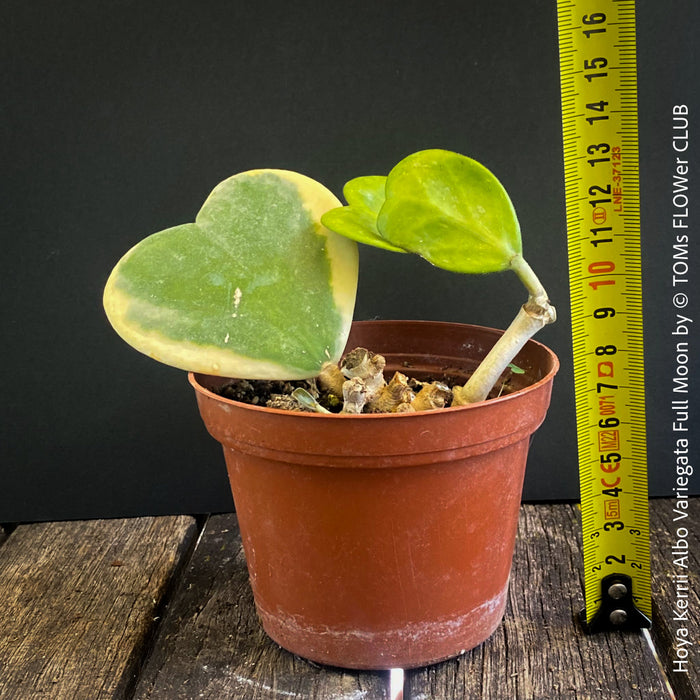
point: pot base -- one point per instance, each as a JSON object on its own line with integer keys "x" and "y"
{"x": 413, "y": 645}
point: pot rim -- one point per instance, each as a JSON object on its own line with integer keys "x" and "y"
{"x": 304, "y": 415}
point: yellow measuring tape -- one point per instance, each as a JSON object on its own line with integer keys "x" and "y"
{"x": 597, "y": 45}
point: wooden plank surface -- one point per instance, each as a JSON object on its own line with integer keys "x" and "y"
{"x": 211, "y": 645}
{"x": 540, "y": 652}
{"x": 79, "y": 601}
{"x": 676, "y": 588}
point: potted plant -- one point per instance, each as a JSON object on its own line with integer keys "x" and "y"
{"x": 373, "y": 539}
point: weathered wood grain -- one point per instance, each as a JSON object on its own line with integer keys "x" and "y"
{"x": 211, "y": 645}
{"x": 79, "y": 601}
{"x": 540, "y": 652}
{"x": 676, "y": 591}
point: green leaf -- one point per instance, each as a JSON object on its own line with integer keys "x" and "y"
{"x": 366, "y": 192}
{"x": 450, "y": 210}
{"x": 255, "y": 288}
{"x": 358, "y": 220}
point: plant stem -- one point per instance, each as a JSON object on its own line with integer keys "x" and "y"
{"x": 532, "y": 283}
{"x": 533, "y": 315}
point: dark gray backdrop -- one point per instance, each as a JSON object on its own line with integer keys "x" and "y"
{"x": 119, "y": 117}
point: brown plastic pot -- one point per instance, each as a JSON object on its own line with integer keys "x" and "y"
{"x": 384, "y": 541}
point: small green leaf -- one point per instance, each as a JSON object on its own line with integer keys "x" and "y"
{"x": 358, "y": 220}
{"x": 305, "y": 399}
{"x": 255, "y": 288}
{"x": 366, "y": 192}
{"x": 450, "y": 210}
{"x": 515, "y": 369}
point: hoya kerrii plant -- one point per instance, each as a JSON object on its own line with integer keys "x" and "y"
{"x": 453, "y": 212}
{"x": 256, "y": 287}
{"x": 262, "y": 285}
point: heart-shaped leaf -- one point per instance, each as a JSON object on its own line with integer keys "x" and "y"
{"x": 255, "y": 288}
{"x": 358, "y": 220}
{"x": 450, "y": 210}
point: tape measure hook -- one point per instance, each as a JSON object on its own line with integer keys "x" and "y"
{"x": 617, "y": 610}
